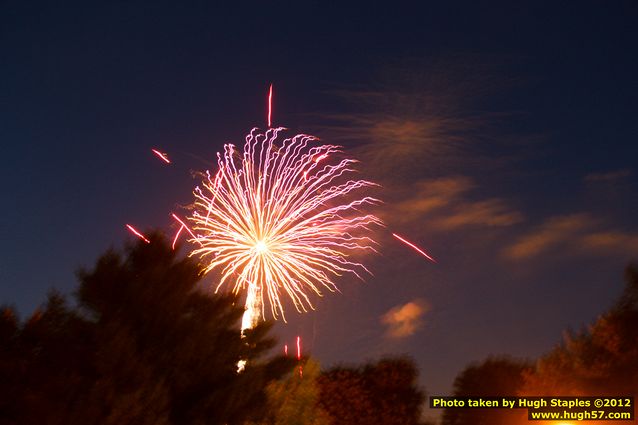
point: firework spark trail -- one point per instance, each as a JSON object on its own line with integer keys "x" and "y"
{"x": 416, "y": 248}
{"x": 270, "y": 107}
{"x": 138, "y": 234}
{"x": 299, "y": 356}
{"x": 177, "y": 236}
{"x": 183, "y": 226}
{"x": 162, "y": 155}
{"x": 279, "y": 222}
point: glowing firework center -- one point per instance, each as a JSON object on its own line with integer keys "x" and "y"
{"x": 281, "y": 217}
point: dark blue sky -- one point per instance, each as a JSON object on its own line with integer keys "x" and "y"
{"x": 504, "y": 135}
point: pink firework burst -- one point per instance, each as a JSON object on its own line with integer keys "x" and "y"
{"x": 281, "y": 218}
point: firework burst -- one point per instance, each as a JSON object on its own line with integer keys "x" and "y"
{"x": 281, "y": 218}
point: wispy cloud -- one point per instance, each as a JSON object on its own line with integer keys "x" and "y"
{"x": 430, "y": 195}
{"x": 552, "y": 233}
{"x": 488, "y": 213}
{"x": 572, "y": 234}
{"x": 443, "y": 202}
{"x": 608, "y": 177}
{"x": 611, "y": 241}
{"x": 415, "y": 114}
{"x": 404, "y": 320}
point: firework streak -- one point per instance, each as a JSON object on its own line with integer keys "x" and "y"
{"x": 137, "y": 233}
{"x": 414, "y": 247}
{"x": 161, "y": 155}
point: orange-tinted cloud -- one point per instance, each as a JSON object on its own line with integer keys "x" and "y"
{"x": 491, "y": 212}
{"x": 430, "y": 195}
{"x": 404, "y": 320}
{"x": 573, "y": 234}
{"x": 611, "y": 176}
{"x": 390, "y": 143}
{"x": 611, "y": 241}
{"x": 441, "y": 203}
{"x": 553, "y": 232}
{"x": 410, "y": 118}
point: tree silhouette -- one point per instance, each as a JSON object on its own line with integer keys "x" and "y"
{"x": 294, "y": 400}
{"x": 494, "y": 377}
{"x": 383, "y": 393}
{"x": 12, "y": 366}
{"x": 144, "y": 346}
{"x": 601, "y": 359}
{"x": 46, "y": 362}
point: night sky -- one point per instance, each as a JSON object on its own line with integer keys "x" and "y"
{"x": 503, "y": 137}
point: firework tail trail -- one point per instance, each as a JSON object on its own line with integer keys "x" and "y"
{"x": 299, "y": 356}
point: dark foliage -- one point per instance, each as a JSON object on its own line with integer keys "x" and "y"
{"x": 383, "y": 393}
{"x": 495, "y": 377}
{"x": 144, "y": 346}
{"x": 601, "y": 359}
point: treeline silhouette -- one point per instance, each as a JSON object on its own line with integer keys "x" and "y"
{"x": 600, "y": 359}
{"x": 144, "y": 344}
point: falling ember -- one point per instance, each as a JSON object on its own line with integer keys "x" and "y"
{"x": 162, "y": 155}
{"x": 138, "y": 234}
{"x": 416, "y": 248}
{"x": 270, "y": 107}
{"x": 299, "y": 356}
{"x": 277, "y": 222}
{"x": 285, "y": 349}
